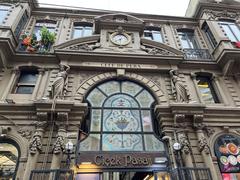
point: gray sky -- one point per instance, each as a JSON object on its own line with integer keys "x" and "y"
{"x": 161, "y": 7}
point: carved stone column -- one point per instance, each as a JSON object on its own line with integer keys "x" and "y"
{"x": 59, "y": 145}
{"x": 186, "y": 149}
{"x": 215, "y": 79}
{"x": 204, "y": 147}
{"x": 35, "y": 145}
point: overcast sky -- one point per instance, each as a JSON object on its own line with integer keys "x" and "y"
{"x": 161, "y": 7}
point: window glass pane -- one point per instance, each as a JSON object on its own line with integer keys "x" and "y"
{"x": 121, "y": 101}
{"x": 148, "y": 34}
{"x": 229, "y": 33}
{"x": 122, "y": 142}
{"x": 25, "y": 89}
{"x": 96, "y": 120}
{"x": 28, "y": 78}
{"x": 37, "y": 32}
{"x": 87, "y": 31}
{"x": 96, "y": 98}
{"x": 147, "y": 121}
{"x": 110, "y": 87}
{"x": 77, "y": 32}
{"x": 3, "y": 12}
{"x": 121, "y": 120}
{"x": 184, "y": 41}
{"x": 21, "y": 24}
{"x": 130, "y": 88}
{"x": 91, "y": 143}
{"x": 8, "y": 160}
{"x": 157, "y": 36}
{"x": 236, "y": 31}
{"x": 152, "y": 143}
{"x": 145, "y": 99}
{"x": 204, "y": 88}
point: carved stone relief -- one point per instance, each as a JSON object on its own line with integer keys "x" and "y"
{"x": 156, "y": 51}
{"x": 183, "y": 140}
{"x": 85, "y": 47}
{"x": 203, "y": 145}
{"x": 35, "y": 143}
{"x": 58, "y": 146}
{"x": 215, "y": 15}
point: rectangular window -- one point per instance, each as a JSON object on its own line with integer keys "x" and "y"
{"x": 37, "y": 29}
{"x": 82, "y": 30}
{"x": 154, "y": 35}
{"x": 206, "y": 89}
{"x": 232, "y": 30}
{"x": 3, "y": 12}
{"x": 21, "y": 24}
{"x": 187, "y": 39}
{"x": 210, "y": 36}
{"x": 26, "y": 82}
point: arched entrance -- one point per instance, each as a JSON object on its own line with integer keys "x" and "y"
{"x": 122, "y": 140}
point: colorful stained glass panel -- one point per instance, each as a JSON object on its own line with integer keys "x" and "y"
{"x": 145, "y": 99}
{"x": 121, "y": 120}
{"x": 91, "y": 143}
{"x": 130, "y": 88}
{"x": 147, "y": 121}
{"x": 96, "y": 120}
{"x": 110, "y": 87}
{"x": 121, "y": 101}
{"x": 152, "y": 143}
{"x": 122, "y": 142}
{"x": 96, "y": 98}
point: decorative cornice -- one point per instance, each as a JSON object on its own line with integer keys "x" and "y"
{"x": 215, "y": 15}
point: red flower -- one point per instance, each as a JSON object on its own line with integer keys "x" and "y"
{"x": 237, "y": 44}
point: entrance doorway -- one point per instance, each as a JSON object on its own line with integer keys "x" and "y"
{"x": 123, "y": 176}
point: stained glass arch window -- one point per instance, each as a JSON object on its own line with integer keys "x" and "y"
{"x": 120, "y": 119}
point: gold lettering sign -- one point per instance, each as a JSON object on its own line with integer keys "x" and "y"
{"x": 125, "y": 160}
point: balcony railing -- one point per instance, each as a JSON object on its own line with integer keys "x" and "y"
{"x": 197, "y": 54}
{"x": 51, "y": 174}
{"x": 191, "y": 174}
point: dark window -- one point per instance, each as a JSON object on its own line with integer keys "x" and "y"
{"x": 21, "y": 24}
{"x": 9, "y": 156}
{"x": 232, "y": 30}
{"x": 26, "y": 82}
{"x": 82, "y": 30}
{"x": 210, "y": 36}
{"x": 50, "y": 25}
{"x": 228, "y": 154}
{"x": 121, "y": 119}
{"x": 153, "y": 34}
{"x": 3, "y": 12}
{"x": 187, "y": 39}
{"x": 206, "y": 89}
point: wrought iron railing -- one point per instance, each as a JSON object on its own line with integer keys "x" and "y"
{"x": 51, "y": 174}
{"x": 188, "y": 173}
{"x": 197, "y": 54}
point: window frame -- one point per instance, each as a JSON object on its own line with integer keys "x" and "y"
{"x": 155, "y": 132}
{"x": 82, "y": 27}
{"x": 152, "y": 31}
{"x": 210, "y": 37}
{"x": 4, "y": 10}
{"x": 190, "y": 36}
{"x": 25, "y": 84}
{"x": 211, "y": 87}
{"x": 228, "y": 24}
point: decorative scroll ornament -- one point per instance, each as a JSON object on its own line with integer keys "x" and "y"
{"x": 186, "y": 148}
{"x": 58, "y": 146}
{"x": 203, "y": 145}
{"x": 85, "y": 47}
{"x": 26, "y": 133}
{"x": 215, "y": 15}
{"x": 35, "y": 144}
{"x": 156, "y": 51}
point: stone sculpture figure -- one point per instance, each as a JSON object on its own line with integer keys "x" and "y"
{"x": 59, "y": 86}
{"x": 178, "y": 89}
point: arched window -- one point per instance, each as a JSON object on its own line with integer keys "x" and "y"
{"x": 9, "y": 157}
{"x": 228, "y": 155}
{"x": 121, "y": 119}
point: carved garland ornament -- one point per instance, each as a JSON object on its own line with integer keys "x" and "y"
{"x": 35, "y": 144}
{"x": 215, "y": 15}
{"x": 58, "y": 146}
{"x": 203, "y": 145}
{"x": 156, "y": 51}
{"x": 186, "y": 148}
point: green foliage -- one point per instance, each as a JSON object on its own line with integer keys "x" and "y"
{"x": 47, "y": 37}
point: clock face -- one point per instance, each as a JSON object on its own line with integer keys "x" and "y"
{"x": 120, "y": 39}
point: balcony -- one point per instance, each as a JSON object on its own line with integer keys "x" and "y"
{"x": 187, "y": 173}
{"x": 197, "y": 54}
{"x": 51, "y": 174}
